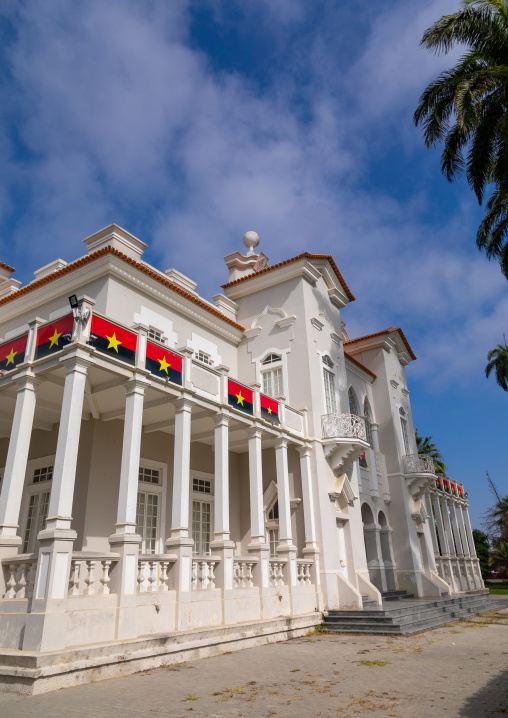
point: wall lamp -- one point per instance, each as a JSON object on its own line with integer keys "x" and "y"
{"x": 80, "y": 316}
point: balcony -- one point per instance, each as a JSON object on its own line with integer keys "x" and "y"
{"x": 419, "y": 472}
{"x": 344, "y": 440}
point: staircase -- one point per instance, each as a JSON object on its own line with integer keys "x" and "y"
{"x": 395, "y": 595}
{"x": 411, "y": 615}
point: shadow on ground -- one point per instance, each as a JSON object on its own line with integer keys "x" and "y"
{"x": 491, "y": 700}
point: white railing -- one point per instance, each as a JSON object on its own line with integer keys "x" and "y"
{"x": 303, "y": 569}
{"x": 19, "y": 574}
{"x": 418, "y": 464}
{"x": 203, "y": 573}
{"x": 276, "y": 573}
{"x": 242, "y": 573}
{"x": 90, "y": 574}
{"x": 343, "y": 426}
{"x": 153, "y": 573}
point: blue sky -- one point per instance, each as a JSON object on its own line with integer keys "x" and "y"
{"x": 189, "y": 123}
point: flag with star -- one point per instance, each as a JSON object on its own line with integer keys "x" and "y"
{"x": 113, "y": 340}
{"x": 240, "y": 397}
{"x": 163, "y": 363}
{"x": 269, "y": 409}
{"x": 12, "y": 353}
{"x": 54, "y": 336}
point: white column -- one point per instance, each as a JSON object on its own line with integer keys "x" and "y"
{"x": 221, "y": 504}
{"x": 129, "y": 471}
{"x": 17, "y": 455}
{"x": 455, "y": 529}
{"x": 281, "y": 462}
{"x": 428, "y": 501}
{"x": 308, "y": 499}
{"x": 443, "y": 539}
{"x": 462, "y": 530}
{"x": 257, "y": 523}
{"x": 181, "y": 469}
{"x": 467, "y": 524}
{"x": 64, "y": 472}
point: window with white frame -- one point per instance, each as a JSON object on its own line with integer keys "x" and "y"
{"x": 367, "y": 413}
{"x": 403, "y": 426}
{"x": 202, "y": 513}
{"x": 203, "y": 357}
{"x": 37, "y": 492}
{"x": 272, "y": 527}
{"x": 271, "y": 376}
{"x": 329, "y": 384}
{"x": 149, "y": 506}
{"x": 156, "y": 334}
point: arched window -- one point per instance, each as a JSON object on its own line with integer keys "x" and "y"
{"x": 403, "y": 426}
{"x": 353, "y": 403}
{"x": 272, "y": 377}
{"x": 329, "y": 384}
{"x": 367, "y": 413}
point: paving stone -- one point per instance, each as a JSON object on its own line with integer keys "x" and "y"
{"x": 460, "y": 670}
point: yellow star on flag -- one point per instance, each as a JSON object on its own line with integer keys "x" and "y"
{"x": 240, "y": 398}
{"x": 113, "y": 342}
{"x": 54, "y": 339}
{"x": 164, "y": 364}
{"x": 269, "y": 410}
{"x": 10, "y": 357}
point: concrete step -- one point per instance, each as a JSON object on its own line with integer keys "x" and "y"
{"x": 395, "y": 595}
{"x": 411, "y": 618}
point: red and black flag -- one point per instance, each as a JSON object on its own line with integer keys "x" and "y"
{"x": 113, "y": 340}
{"x": 53, "y": 337}
{"x": 269, "y": 409}
{"x": 13, "y": 353}
{"x": 452, "y": 486}
{"x": 438, "y": 484}
{"x": 161, "y": 362}
{"x": 240, "y": 397}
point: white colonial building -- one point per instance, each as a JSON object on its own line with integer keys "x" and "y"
{"x": 180, "y": 477}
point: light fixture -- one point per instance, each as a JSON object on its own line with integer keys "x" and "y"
{"x": 73, "y": 301}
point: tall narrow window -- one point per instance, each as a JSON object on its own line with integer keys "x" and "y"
{"x": 202, "y": 512}
{"x": 38, "y": 488}
{"x": 149, "y": 507}
{"x": 272, "y": 376}
{"x": 403, "y": 426}
{"x": 353, "y": 403}
{"x": 272, "y": 528}
{"x": 329, "y": 384}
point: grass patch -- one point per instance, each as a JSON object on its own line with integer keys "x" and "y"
{"x": 190, "y": 697}
{"x": 497, "y": 589}
{"x": 374, "y": 663}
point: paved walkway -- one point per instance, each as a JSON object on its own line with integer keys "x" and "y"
{"x": 456, "y": 671}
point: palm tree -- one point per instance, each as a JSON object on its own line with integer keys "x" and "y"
{"x": 500, "y": 556}
{"x": 465, "y": 108}
{"x": 498, "y": 362}
{"x": 425, "y": 445}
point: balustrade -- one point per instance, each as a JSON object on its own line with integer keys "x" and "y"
{"x": 276, "y": 573}
{"x": 203, "y": 573}
{"x": 242, "y": 573}
{"x": 303, "y": 572}
{"x": 153, "y": 573}
{"x": 90, "y": 574}
{"x": 418, "y": 464}
{"x": 343, "y": 426}
{"x": 19, "y": 574}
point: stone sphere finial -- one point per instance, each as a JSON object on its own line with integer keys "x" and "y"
{"x": 251, "y": 240}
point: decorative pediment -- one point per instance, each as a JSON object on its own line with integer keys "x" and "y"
{"x": 342, "y": 493}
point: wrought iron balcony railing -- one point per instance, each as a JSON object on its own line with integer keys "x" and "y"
{"x": 343, "y": 426}
{"x": 418, "y": 464}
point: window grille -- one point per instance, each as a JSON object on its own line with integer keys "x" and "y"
{"x": 272, "y": 383}
{"x": 156, "y": 334}
{"x": 147, "y": 520}
{"x": 149, "y": 476}
{"x": 330, "y": 399}
{"x": 201, "y": 527}
{"x": 271, "y": 359}
{"x": 202, "y": 486}
{"x": 36, "y": 520}
{"x": 42, "y": 474}
{"x": 204, "y": 357}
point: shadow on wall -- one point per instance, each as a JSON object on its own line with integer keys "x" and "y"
{"x": 491, "y": 700}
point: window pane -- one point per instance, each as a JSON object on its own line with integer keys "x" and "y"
{"x": 329, "y": 381}
{"x": 272, "y": 383}
{"x": 273, "y": 537}
{"x": 201, "y": 526}
{"x": 403, "y": 424}
{"x": 36, "y": 519}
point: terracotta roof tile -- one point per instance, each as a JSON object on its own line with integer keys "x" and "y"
{"x": 6, "y": 266}
{"x": 391, "y": 330}
{"x": 304, "y": 255}
{"x": 355, "y": 361}
{"x": 137, "y": 265}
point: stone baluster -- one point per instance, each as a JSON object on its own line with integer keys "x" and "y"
{"x": 105, "y": 578}
{"x": 90, "y": 577}
{"x": 74, "y": 580}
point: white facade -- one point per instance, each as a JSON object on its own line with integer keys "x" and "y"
{"x": 136, "y": 502}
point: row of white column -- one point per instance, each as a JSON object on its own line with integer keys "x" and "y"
{"x": 57, "y": 538}
{"x": 456, "y": 542}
